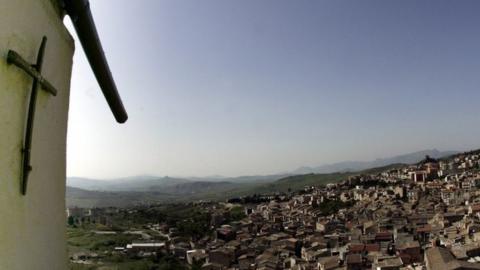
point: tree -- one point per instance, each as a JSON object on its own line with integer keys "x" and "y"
{"x": 71, "y": 221}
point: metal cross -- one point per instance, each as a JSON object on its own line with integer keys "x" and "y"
{"x": 34, "y": 71}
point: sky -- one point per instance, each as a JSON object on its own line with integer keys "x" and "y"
{"x": 231, "y": 88}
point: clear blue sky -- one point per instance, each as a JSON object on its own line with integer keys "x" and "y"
{"x": 260, "y": 87}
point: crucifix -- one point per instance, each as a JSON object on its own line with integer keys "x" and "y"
{"x": 34, "y": 70}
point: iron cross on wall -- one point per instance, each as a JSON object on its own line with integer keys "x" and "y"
{"x": 34, "y": 70}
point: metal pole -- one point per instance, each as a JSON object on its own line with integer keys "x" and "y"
{"x": 30, "y": 120}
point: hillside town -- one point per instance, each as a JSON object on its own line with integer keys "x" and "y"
{"x": 422, "y": 216}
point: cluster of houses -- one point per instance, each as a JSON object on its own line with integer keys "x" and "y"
{"x": 79, "y": 215}
{"x": 424, "y": 216}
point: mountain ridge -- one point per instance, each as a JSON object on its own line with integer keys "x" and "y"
{"x": 141, "y": 182}
{"x": 352, "y": 166}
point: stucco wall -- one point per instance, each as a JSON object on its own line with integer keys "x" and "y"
{"x": 32, "y": 227}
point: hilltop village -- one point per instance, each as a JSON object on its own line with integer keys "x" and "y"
{"x": 422, "y": 216}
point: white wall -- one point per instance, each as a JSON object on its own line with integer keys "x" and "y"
{"x": 32, "y": 227}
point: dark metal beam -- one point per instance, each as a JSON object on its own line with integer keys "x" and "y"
{"x": 79, "y": 12}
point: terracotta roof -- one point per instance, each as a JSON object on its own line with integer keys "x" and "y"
{"x": 372, "y": 247}
{"x": 424, "y": 228}
{"x": 354, "y": 259}
{"x": 442, "y": 259}
{"x": 383, "y": 236}
{"x": 356, "y": 247}
{"x": 475, "y": 207}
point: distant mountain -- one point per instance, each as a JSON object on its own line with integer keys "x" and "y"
{"x": 136, "y": 190}
{"x": 136, "y": 183}
{"x": 296, "y": 182}
{"x": 167, "y": 184}
{"x": 199, "y": 187}
{"x": 353, "y": 166}
{"x": 181, "y": 192}
{"x": 240, "y": 179}
{"x": 201, "y": 190}
{"x": 192, "y": 185}
{"x": 130, "y": 191}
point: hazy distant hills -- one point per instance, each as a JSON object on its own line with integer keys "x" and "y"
{"x": 202, "y": 190}
{"x": 194, "y": 184}
{"x": 166, "y": 184}
{"x": 138, "y": 183}
{"x": 86, "y": 192}
{"x": 156, "y": 194}
{"x": 129, "y": 191}
{"x": 240, "y": 179}
{"x": 352, "y": 166}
